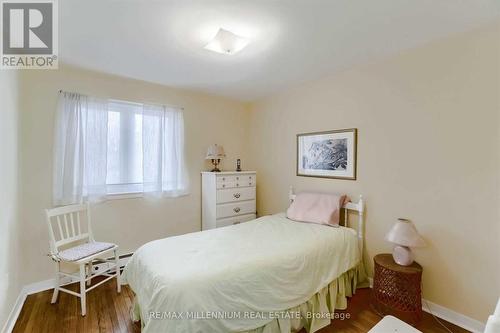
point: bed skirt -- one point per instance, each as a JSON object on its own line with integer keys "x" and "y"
{"x": 315, "y": 313}
{"x": 319, "y": 310}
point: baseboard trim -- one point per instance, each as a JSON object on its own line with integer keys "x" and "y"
{"x": 451, "y": 316}
{"x": 40, "y": 286}
{"x": 27, "y": 290}
{"x": 14, "y": 313}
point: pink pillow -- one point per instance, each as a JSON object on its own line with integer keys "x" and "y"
{"x": 317, "y": 208}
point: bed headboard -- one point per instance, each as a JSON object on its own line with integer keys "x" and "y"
{"x": 358, "y": 207}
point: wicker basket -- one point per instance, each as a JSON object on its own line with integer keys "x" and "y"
{"x": 397, "y": 289}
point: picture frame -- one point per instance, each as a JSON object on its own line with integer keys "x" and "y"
{"x": 328, "y": 154}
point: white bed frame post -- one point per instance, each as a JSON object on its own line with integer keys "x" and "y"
{"x": 361, "y": 224}
{"x": 359, "y": 207}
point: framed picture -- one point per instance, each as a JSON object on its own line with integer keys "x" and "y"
{"x": 330, "y": 154}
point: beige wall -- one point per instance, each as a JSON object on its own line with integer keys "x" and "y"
{"x": 428, "y": 150}
{"x": 128, "y": 222}
{"x": 10, "y": 256}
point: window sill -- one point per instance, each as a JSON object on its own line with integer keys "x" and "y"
{"x": 120, "y": 196}
{"x": 141, "y": 195}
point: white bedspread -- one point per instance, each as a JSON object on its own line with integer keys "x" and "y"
{"x": 268, "y": 264}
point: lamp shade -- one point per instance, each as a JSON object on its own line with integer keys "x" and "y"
{"x": 404, "y": 233}
{"x": 215, "y": 152}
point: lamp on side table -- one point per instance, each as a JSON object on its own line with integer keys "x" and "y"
{"x": 215, "y": 153}
{"x": 405, "y": 236}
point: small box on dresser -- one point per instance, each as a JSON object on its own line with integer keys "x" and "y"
{"x": 228, "y": 197}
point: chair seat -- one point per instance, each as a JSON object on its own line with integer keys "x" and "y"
{"x": 85, "y": 250}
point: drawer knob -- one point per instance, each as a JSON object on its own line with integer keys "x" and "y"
{"x": 237, "y": 178}
{"x": 236, "y": 195}
{"x": 223, "y": 185}
{"x": 236, "y": 210}
{"x": 223, "y": 178}
{"x": 250, "y": 183}
{"x": 237, "y": 185}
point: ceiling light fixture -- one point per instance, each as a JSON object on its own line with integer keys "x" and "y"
{"x": 226, "y": 42}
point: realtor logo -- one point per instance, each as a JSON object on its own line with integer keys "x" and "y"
{"x": 29, "y": 34}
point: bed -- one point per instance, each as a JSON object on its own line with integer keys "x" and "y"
{"x": 266, "y": 275}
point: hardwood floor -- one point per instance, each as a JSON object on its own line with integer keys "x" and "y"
{"x": 108, "y": 311}
{"x": 363, "y": 318}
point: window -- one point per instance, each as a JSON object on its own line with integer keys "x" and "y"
{"x": 124, "y": 157}
{"x": 106, "y": 147}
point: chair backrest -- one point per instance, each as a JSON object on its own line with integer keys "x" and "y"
{"x": 68, "y": 224}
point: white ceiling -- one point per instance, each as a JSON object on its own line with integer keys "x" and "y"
{"x": 291, "y": 41}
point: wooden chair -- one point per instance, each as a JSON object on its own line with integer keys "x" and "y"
{"x": 71, "y": 241}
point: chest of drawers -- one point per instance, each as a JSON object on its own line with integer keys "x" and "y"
{"x": 228, "y": 198}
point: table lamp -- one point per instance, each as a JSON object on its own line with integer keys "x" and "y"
{"x": 404, "y": 235}
{"x": 215, "y": 153}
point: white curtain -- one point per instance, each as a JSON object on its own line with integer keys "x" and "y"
{"x": 164, "y": 169}
{"x": 80, "y": 149}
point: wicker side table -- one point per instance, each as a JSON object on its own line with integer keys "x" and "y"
{"x": 397, "y": 289}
